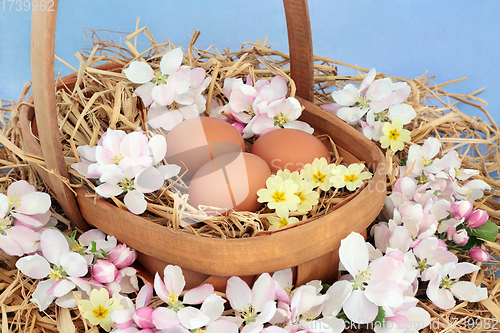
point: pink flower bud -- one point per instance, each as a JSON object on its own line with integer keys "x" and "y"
{"x": 143, "y": 317}
{"x": 461, "y": 209}
{"x": 122, "y": 256}
{"x": 460, "y": 237}
{"x": 104, "y": 271}
{"x": 477, "y": 218}
{"x": 479, "y": 254}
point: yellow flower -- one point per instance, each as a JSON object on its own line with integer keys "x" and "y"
{"x": 280, "y": 195}
{"x": 351, "y": 177}
{"x": 318, "y": 172}
{"x": 98, "y": 309}
{"x": 308, "y": 197}
{"x": 279, "y": 222}
{"x": 394, "y": 135}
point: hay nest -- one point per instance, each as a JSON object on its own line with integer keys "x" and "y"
{"x": 85, "y": 116}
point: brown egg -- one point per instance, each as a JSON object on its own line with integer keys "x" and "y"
{"x": 196, "y": 141}
{"x": 288, "y": 148}
{"x": 229, "y": 181}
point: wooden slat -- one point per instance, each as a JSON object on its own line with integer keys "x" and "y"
{"x": 43, "y": 30}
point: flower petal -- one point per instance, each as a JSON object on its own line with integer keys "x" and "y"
{"x": 238, "y": 293}
{"x": 359, "y": 309}
{"x": 468, "y": 291}
{"x": 353, "y": 253}
{"x": 61, "y": 288}
{"x": 198, "y": 295}
{"x": 171, "y": 61}
{"x": 74, "y": 264}
{"x": 164, "y": 318}
{"x": 174, "y": 279}
{"x": 135, "y": 202}
{"x": 40, "y": 296}
{"x": 148, "y": 180}
{"x": 34, "y": 203}
{"x": 35, "y": 266}
{"x": 213, "y": 306}
{"x": 139, "y": 72}
{"x": 192, "y": 318}
{"x": 163, "y": 94}
{"x": 337, "y": 295}
{"x": 53, "y": 245}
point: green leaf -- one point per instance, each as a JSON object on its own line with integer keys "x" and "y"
{"x": 487, "y": 231}
{"x": 379, "y": 320}
{"x": 326, "y": 286}
{"x": 93, "y": 248}
{"x": 403, "y": 161}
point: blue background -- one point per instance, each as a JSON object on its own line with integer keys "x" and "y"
{"x": 449, "y": 38}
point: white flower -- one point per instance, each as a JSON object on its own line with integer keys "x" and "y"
{"x": 394, "y": 135}
{"x": 444, "y": 285}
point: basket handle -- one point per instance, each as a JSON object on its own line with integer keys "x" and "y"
{"x": 43, "y": 31}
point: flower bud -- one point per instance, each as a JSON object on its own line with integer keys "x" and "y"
{"x": 104, "y": 271}
{"x": 460, "y": 237}
{"x": 461, "y": 209}
{"x": 477, "y": 218}
{"x": 122, "y": 256}
{"x": 143, "y": 317}
{"x": 478, "y": 254}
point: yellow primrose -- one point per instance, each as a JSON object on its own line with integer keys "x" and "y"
{"x": 280, "y": 195}
{"x": 279, "y": 222}
{"x": 351, "y": 177}
{"x": 318, "y": 172}
{"x": 394, "y": 135}
{"x": 308, "y": 197}
{"x": 99, "y": 307}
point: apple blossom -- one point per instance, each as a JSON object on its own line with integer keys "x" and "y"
{"x": 444, "y": 285}
{"x": 480, "y": 255}
{"x": 103, "y": 271}
{"x": 477, "y": 218}
{"x": 122, "y": 256}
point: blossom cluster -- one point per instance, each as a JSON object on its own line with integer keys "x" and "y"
{"x": 126, "y": 163}
{"x": 255, "y": 109}
{"x": 293, "y": 191}
{"x": 172, "y": 94}
{"x": 376, "y": 108}
{"x": 24, "y": 212}
{"x": 69, "y": 265}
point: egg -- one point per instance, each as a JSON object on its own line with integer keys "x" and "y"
{"x": 229, "y": 181}
{"x": 287, "y": 148}
{"x": 196, "y": 141}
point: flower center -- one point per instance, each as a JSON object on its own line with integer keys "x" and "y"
{"x": 160, "y": 78}
{"x": 307, "y": 316}
{"x": 278, "y": 197}
{"x": 422, "y": 179}
{"x": 422, "y": 265}
{"x": 173, "y": 106}
{"x": 382, "y": 116}
{"x": 363, "y": 102}
{"x": 426, "y": 161}
{"x": 250, "y": 111}
{"x": 446, "y": 282}
{"x": 361, "y": 279}
{"x": 100, "y": 312}
{"x": 117, "y": 159}
{"x": 56, "y": 274}
{"x": 280, "y": 119}
{"x": 249, "y": 315}
{"x": 458, "y": 172}
{"x": 319, "y": 177}
{"x": 173, "y": 301}
{"x": 77, "y": 246}
{"x": 394, "y": 134}
{"x": 14, "y": 200}
{"x": 288, "y": 290}
{"x": 283, "y": 222}
{"x": 126, "y": 184}
{"x": 350, "y": 178}
{"x": 199, "y": 330}
{"x": 4, "y": 224}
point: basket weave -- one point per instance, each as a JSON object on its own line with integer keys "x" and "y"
{"x": 311, "y": 249}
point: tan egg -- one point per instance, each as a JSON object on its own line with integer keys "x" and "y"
{"x": 229, "y": 181}
{"x": 288, "y": 148}
{"x": 196, "y": 141}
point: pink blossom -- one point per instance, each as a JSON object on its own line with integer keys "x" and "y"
{"x": 477, "y": 218}
{"x": 459, "y": 237}
{"x": 122, "y": 256}
{"x": 480, "y": 255}
{"x": 462, "y": 209}
{"x": 104, "y": 271}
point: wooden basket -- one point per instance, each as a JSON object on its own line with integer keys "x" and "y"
{"x": 311, "y": 249}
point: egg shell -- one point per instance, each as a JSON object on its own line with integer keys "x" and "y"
{"x": 229, "y": 181}
{"x": 288, "y": 148}
{"x": 196, "y": 141}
